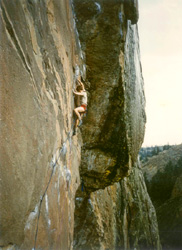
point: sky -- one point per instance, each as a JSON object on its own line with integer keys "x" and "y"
{"x": 160, "y": 32}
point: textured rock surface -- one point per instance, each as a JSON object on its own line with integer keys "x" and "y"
{"x": 40, "y": 58}
{"x": 114, "y": 127}
{"x": 165, "y": 187}
{"x": 138, "y": 214}
{"x": 38, "y": 53}
{"x": 119, "y": 217}
{"x": 170, "y": 223}
{"x": 177, "y": 189}
{"x": 131, "y": 10}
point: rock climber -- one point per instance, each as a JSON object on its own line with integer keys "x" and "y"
{"x": 81, "y": 100}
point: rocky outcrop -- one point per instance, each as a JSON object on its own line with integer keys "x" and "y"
{"x": 131, "y": 10}
{"x": 112, "y": 135}
{"x": 163, "y": 175}
{"x": 42, "y": 54}
{"x": 119, "y": 217}
{"x": 138, "y": 214}
{"x": 114, "y": 127}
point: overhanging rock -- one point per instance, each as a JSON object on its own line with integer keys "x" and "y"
{"x": 114, "y": 127}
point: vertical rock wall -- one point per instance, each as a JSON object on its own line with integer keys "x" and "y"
{"x": 37, "y": 59}
{"x": 138, "y": 228}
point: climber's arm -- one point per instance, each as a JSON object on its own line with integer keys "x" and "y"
{"x": 78, "y": 93}
{"x": 81, "y": 83}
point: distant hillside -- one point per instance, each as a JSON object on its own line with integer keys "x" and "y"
{"x": 158, "y": 162}
{"x": 146, "y": 153}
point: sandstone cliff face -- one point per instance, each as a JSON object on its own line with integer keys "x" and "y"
{"x": 42, "y": 54}
{"x": 164, "y": 177}
{"x": 38, "y": 53}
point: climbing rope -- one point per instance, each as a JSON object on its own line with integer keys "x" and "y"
{"x": 42, "y": 197}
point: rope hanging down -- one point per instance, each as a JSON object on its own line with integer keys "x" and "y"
{"x": 42, "y": 197}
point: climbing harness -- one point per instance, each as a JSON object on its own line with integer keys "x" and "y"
{"x": 42, "y": 197}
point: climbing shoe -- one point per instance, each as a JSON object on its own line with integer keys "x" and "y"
{"x": 74, "y": 131}
{"x": 80, "y": 123}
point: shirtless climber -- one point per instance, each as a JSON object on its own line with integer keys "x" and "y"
{"x": 81, "y": 95}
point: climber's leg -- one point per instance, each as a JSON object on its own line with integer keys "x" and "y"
{"x": 76, "y": 122}
{"x": 79, "y": 110}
